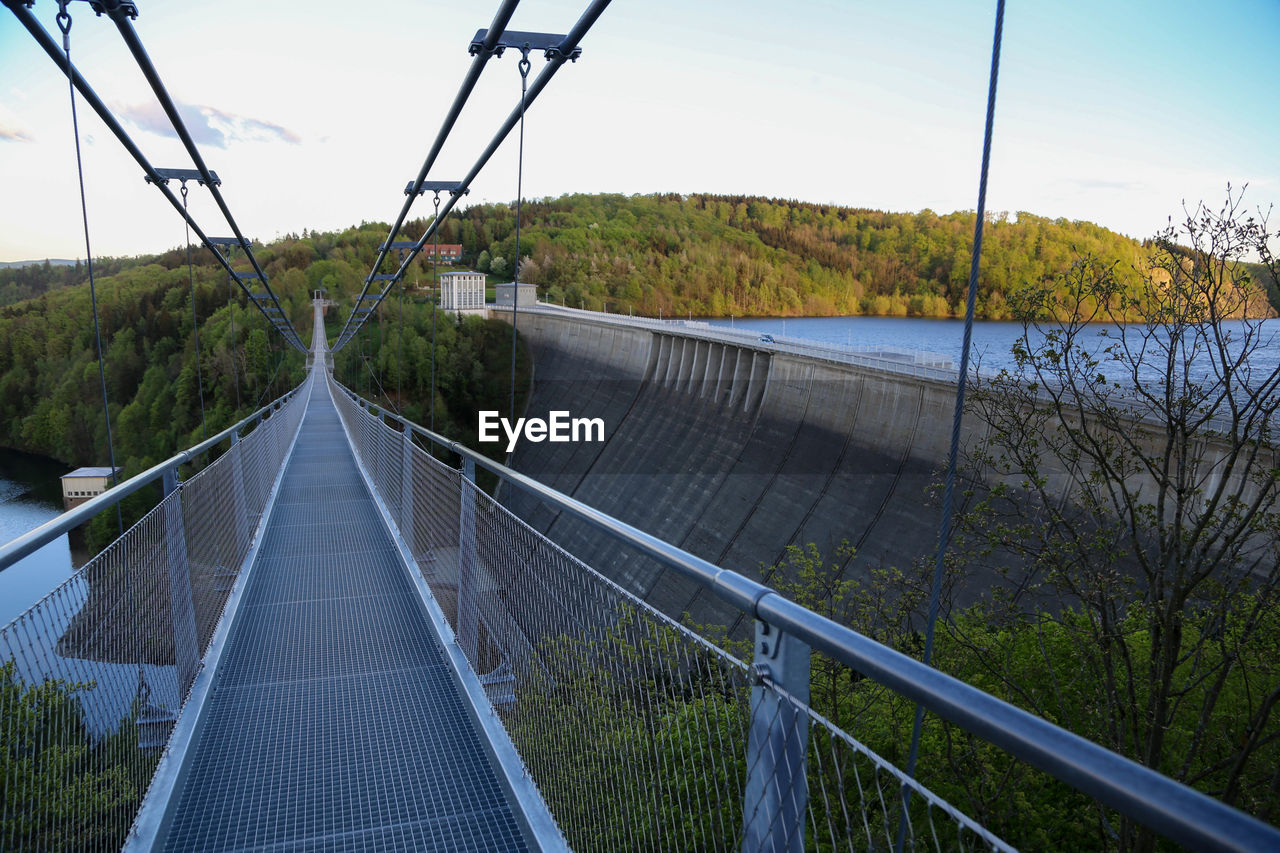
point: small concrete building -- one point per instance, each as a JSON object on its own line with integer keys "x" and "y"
{"x": 84, "y": 483}
{"x": 528, "y": 294}
{"x": 462, "y": 291}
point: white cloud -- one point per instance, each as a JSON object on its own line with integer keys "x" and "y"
{"x": 206, "y": 125}
{"x": 13, "y": 134}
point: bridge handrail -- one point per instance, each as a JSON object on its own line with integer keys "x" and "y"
{"x": 1171, "y": 808}
{"x": 36, "y": 538}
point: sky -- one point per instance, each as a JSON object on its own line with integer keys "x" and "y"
{"x": 316, "y": 115}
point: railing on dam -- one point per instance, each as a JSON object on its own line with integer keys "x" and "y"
{"x": 898, "y": 360}
{"x": 94, "y": 675}
{"x": 641, "y": 733}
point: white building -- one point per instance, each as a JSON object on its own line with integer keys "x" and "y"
{"x": 528, "y": 294}
{"x": 84, "y": 483}
{"x": 462, "y": 291}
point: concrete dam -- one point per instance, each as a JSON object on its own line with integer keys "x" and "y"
{"x": 731, "y": 448}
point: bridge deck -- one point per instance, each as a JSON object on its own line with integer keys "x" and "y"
{"x": 335, "y": 722}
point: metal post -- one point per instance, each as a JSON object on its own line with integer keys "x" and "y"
{"x": 406, "y": 488}
{"x": 377, "y": 456}
{"x": 777, "y": 791}
{"x": 467, "y": 560}
{"x": 186, "y": 654}
{"x": 255, "y": 473}
{"x": 239, "y": 511}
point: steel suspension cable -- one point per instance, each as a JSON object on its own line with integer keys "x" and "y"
{"x": 515, "y": 279}
{"x": 195, "y": 319}
{"x": 363, "y": 363}
{"x": 948, "y": 493}
{"x": 271, "y": 380}
{"x": 374, "y": 379}
{"x": 279, "y": 357}
{"x": 50, "y": 47}
{"x": 400, "y": 349}
{"x": 64, "y": 24}
{"x": 394, "y": 404}
{"x": 120, "y": 14}
{"x": 235, "y": 369}
{"x": 555, "y": 59}
{"x": 435, "y": 307}
{"x": 496, "y": 28}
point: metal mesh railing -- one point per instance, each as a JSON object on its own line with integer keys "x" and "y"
{"x": 94, "y": 675}
{"x": 639, "y": 733}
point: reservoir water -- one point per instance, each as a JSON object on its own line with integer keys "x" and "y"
{"x": 30, "y": 495}
{"x": 992, "y": 340}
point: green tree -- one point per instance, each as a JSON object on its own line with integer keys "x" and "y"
{"x": 618, "y": 723}
{"x": 255, "y": 358}
{"x": 1134, "y": 506}
{"x": 62, "y": 790}
{"x": 498, "y": 267}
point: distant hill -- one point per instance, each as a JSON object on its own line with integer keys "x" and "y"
{"x": 55, "y": 262}
{"x": 21, "y": 280}
{"x": 706, "y": 255}
{"x": 740, "y": 255}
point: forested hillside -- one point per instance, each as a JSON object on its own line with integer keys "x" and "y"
{"x": 50, "y": 394}
{"x": 26, "y": 282}
{"x": 722, "y": 255}
{"x": 705, "y": 255}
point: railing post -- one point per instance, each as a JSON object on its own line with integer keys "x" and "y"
{"x": 374, "y": 446}
{"x": 777, "y": 792}
{"x": 239, "y": 511}
{"x": 366, "y": 434}
{"x": 255, "y": 474}
{"x": 406, "y": 488}
{"x": 186, "y": 654}
{"x": 467, "y": 559}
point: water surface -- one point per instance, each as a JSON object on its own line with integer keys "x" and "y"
{"x": 992, "y": 340}
{"x": 30, "y": 495}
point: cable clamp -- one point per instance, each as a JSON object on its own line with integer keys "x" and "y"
{"x": 550, "y": 43}
{"x": 437, "y": 187}
{"x": 114, "y": 8}
{"x": 163, "y": 176}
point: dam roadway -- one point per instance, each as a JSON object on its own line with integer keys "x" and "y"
{"x": 731, "y": 448}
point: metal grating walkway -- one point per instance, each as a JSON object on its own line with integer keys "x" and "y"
{"x": 335, "y": 723}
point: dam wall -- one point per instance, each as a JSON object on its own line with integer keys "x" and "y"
{"x": 735, "y": 448}
{"x": 731, "y": 449}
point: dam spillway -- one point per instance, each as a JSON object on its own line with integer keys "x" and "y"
{"x": 731, "y": 448}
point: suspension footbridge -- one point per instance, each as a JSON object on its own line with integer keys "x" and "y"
{"x": 330, "y": 638}
{"x": 326, "y": 636}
